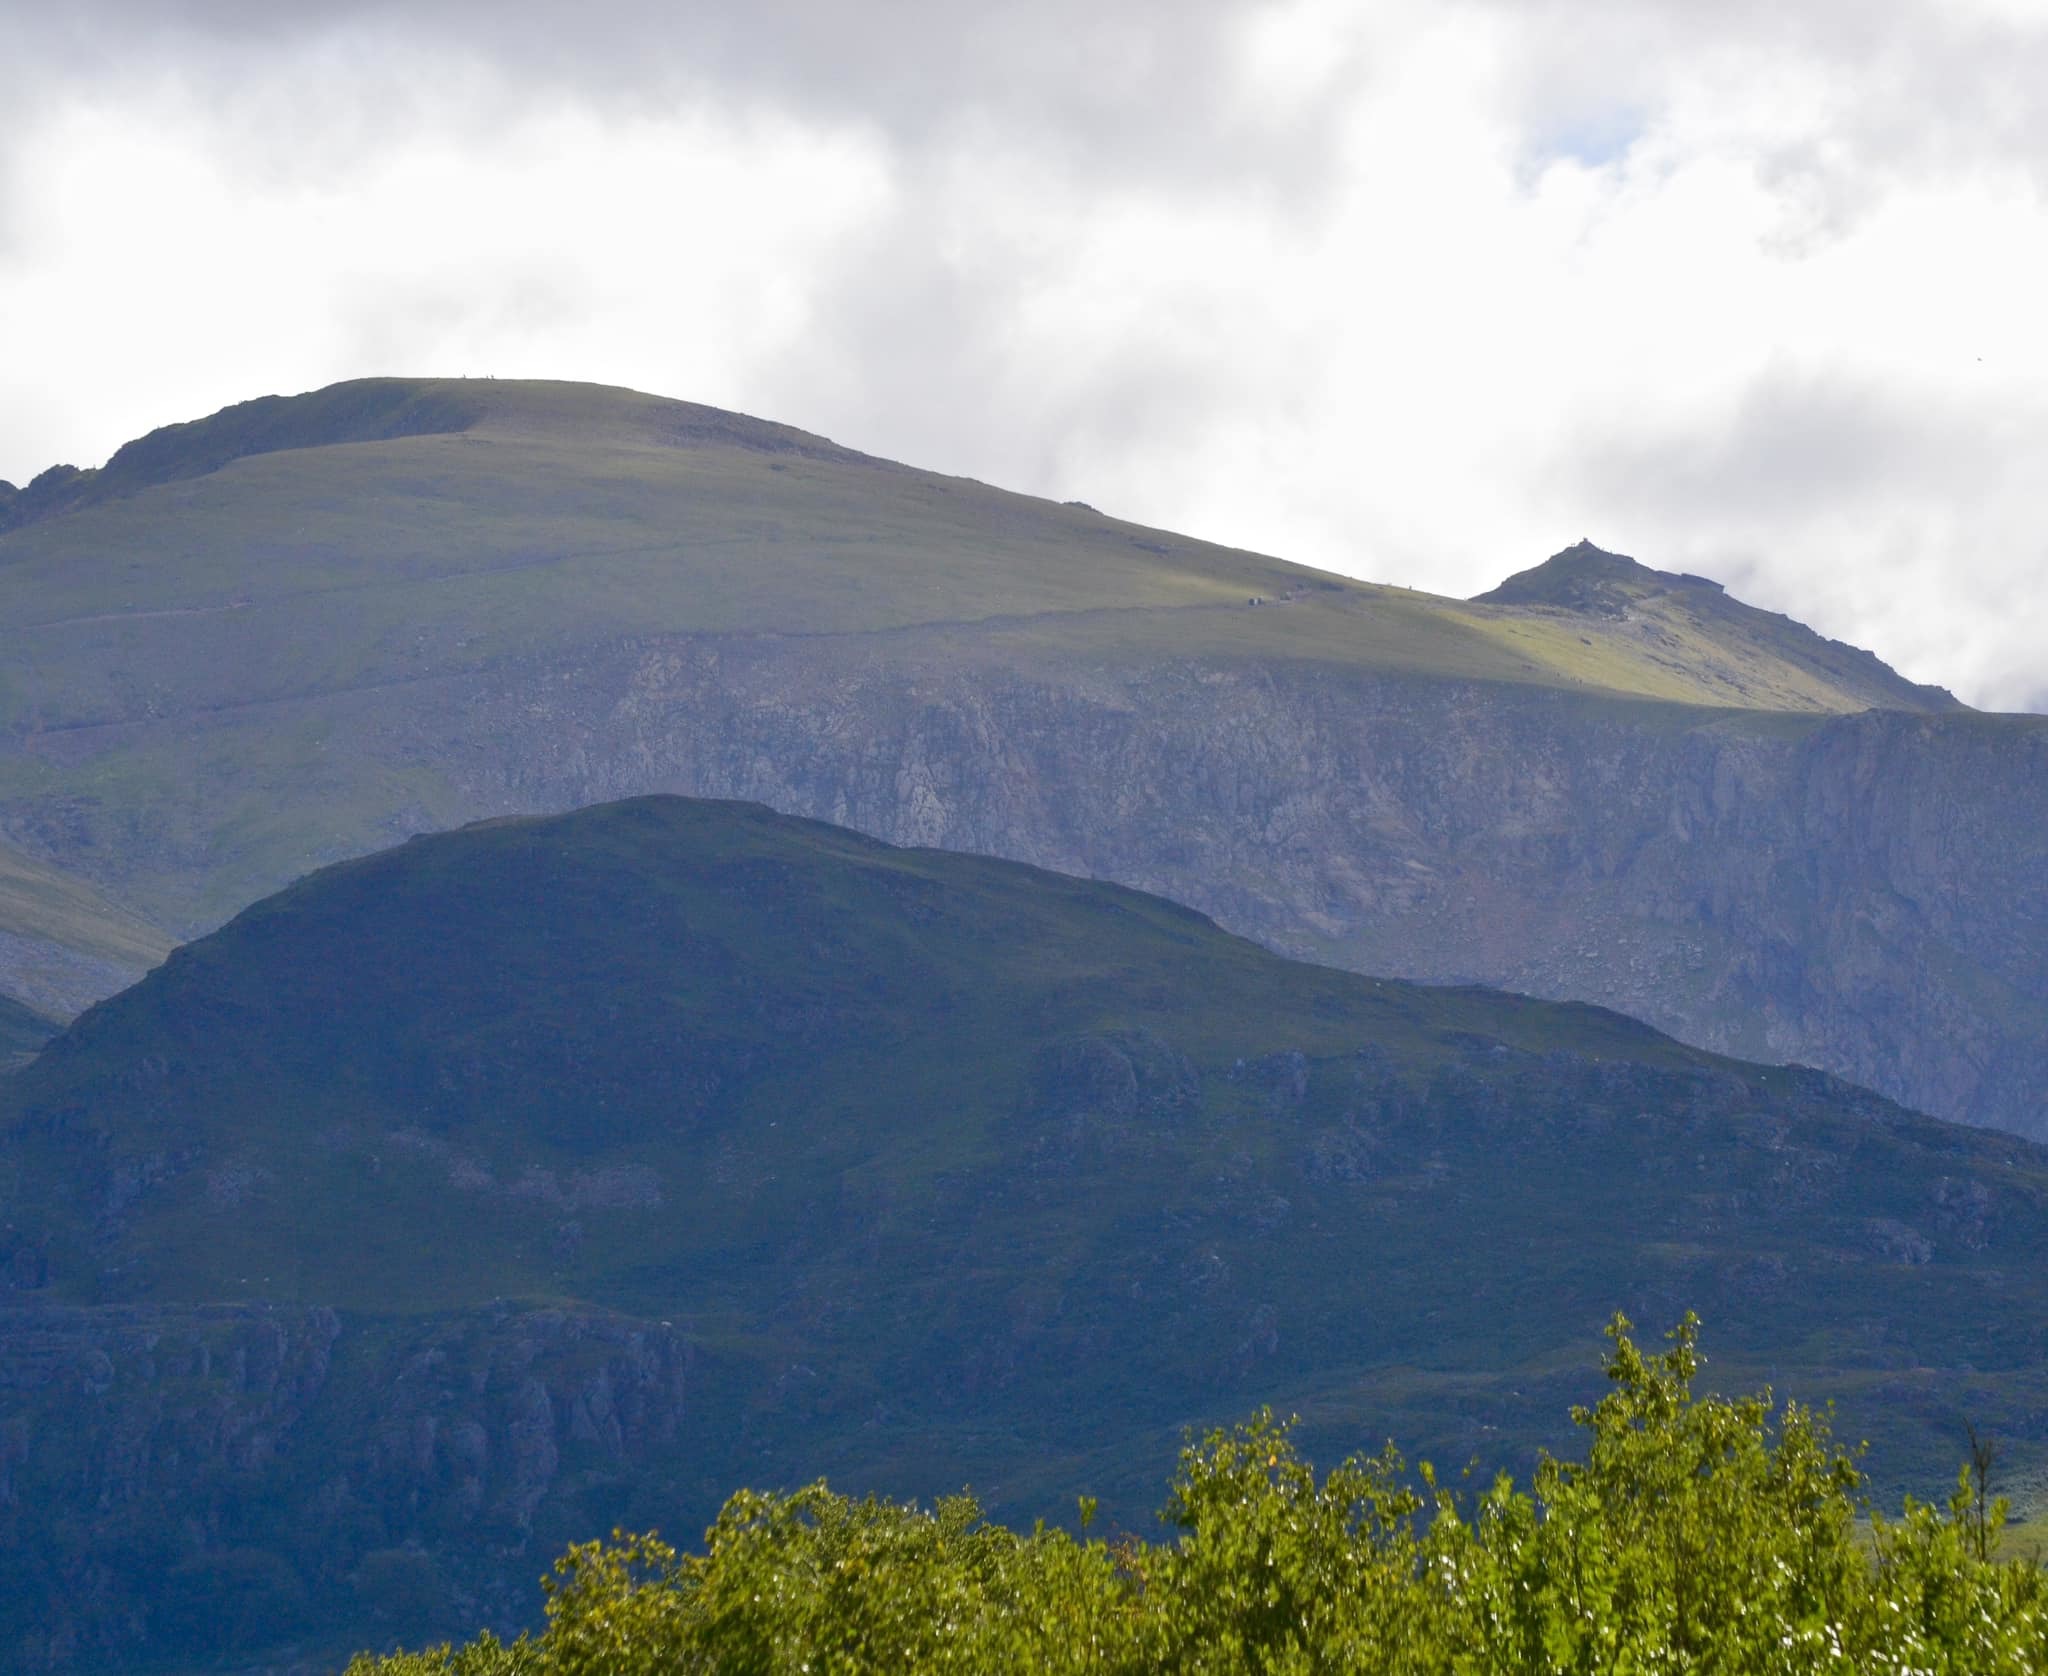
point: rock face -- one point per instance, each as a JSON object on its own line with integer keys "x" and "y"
{"x": 1865, "y": 893}
{"x": 232, "y": 1472}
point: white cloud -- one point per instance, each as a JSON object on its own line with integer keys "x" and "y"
{"x": 164, "y": 276}
{"x": 1419, "y": 292}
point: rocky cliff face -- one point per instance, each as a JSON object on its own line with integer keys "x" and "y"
{"x": 232, "y": 1473}
{"x": 1865, "y": 893}
{"x": 1862, "y": 893}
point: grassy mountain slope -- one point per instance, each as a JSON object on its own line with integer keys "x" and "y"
{"x": 627, "y": 986}
{"x": 203, "y": 671}
{"x": 668, "y": 1145}
{"x": 62, "y": 942}
{"x": 515, "y": 511}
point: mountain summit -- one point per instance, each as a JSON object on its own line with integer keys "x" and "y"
{"x": 1762, "y": 658}
{"x": 368, "y": 410}
{"x": 655, "y": 514}
{"x": 1584, "y": 577}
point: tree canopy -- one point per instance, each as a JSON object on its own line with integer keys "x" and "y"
{"x": 1706, "y": 1534}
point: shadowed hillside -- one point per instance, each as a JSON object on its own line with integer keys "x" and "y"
{"x": 473, "y": 1197}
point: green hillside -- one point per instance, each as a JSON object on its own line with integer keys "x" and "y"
{"x": 565, "y": 1172}
{"x": 62, "y": 941}
{"x": 443, "y": 523}
{"x": 632, "y": 988}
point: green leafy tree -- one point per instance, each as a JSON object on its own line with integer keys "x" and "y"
{"x": 1698, "y": 1534}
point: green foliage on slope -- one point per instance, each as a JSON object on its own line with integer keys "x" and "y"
{"x": 1696, "y": 1534}
{"x": 612, "y": 999}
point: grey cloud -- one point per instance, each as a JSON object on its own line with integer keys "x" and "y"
{"x": 1135, "y": 85}
{"x": 1915, "y": 87}
{"x": 913, "y": 352}
{"x": 1882, "y": 514}
{"x": 405, "y": 323}
{"x": 1797, "y": 443}
{"x": 902, "y": 347}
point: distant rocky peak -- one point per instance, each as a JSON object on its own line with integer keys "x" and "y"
{"x": 1587, "y": 578}
{"x": 1693, "y": 619}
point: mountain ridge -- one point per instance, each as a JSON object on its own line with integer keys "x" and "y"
{"x": 372, "y": 411}
{"x": 218, "y": 683}
{"x": 358, "y": 411}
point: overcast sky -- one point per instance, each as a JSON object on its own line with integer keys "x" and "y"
{"x": 1418, "y": 292}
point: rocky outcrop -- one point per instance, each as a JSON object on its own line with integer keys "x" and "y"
{"x": 1684, "y": 615}
{"x": 227, "y": 1475}
{"x": 364, "y": 410}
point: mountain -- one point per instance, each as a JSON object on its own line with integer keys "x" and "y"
{"x": 310, "y": 626}
{"x": 478, "y": 1195}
